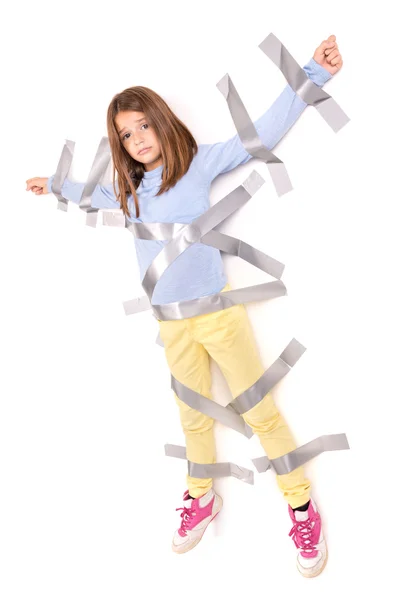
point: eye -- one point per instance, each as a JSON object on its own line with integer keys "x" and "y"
{"x": 145, "y": 125}
{"x": 124, "y": 136}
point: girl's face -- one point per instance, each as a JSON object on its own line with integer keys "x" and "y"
{"x": 139, "y": 138}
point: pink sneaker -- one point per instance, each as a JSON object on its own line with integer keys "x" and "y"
{"x": 308, "y": 538}
{"x": 196, "y": 516}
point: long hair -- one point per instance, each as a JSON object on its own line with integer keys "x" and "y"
{"x": 178, "y": 145}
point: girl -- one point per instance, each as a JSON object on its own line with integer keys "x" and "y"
{"x": 164, "y": 176}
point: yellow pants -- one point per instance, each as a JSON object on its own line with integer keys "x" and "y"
{"x": 227, "y": 337}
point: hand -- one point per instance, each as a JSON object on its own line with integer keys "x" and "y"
{"x": 328, "y": 56}
{"x": 38, "y": 185}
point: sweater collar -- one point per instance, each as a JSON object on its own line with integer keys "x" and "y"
{"x": 153, "y": 173}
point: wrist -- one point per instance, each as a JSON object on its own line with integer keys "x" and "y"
{"x": 49, "y": 183}
{"x": 317, "y": 73}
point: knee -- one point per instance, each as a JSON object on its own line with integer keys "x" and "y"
{"x": 267, "y": 424}
{"x": 264, "y": 417}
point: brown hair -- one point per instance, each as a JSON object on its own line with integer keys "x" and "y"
{"x": 178, "y": 145}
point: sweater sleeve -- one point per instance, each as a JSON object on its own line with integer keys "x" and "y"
{"x": 102, "y": 197}
{"x": 214, "y": 159}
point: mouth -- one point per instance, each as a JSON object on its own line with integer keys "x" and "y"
{"x": 144, "y": 150}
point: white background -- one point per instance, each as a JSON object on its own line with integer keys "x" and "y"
{"x": 87, "y": 498}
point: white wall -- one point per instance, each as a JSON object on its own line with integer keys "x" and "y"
{"x": 87, "y": 500}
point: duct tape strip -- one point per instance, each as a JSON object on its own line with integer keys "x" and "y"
{"x": 298, "y": 457}
{"x": 253, "y": 395}
{"x": 250, "y": 139}
{"x": 302, "y": 85}
{"x": 181, "y": 237}
{"x": 155, "y": 231}
{"x": 216, "y": 239}
{"x": 208, "y": 304}
{"x": 99, "y": 167}
{"x": 97, "y": 171}
{"x": 225, "y": 415}
{"x": 63, "y": 168}
{"x": 194, "y": 231}
{"x": 212, "y": 471}
{"x": 236, "y": 247}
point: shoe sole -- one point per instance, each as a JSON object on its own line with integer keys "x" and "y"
{"x": 179, "y": 550}
{"x": 311, "y": 575}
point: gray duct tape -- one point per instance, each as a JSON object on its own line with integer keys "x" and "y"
{"x": 97, "y": 171}
{"x": 194, "y": 231}
{"x": 236, "y": 247}
{"x": 182, "y": 236}
{"x": 137, "y": 305}
{"x": 159, "y": 340}
{"x": 142, "y": 231}
{"x": 253, "y": 395}
{"x": 113, "y": 218}
{"x": 208, "y": 304}
{"x": 63, "y": 168}
{"x": 225, "y": 415}
{"x": 302, "y": 85}
{"x": 216, "y": 239}
{"x": 291, "y": 461}
{"x": 212, "y": 471}
{"x": 155, "y": 231}
{"x": 250, "y": 139}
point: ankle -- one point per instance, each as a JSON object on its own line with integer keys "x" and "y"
{"x": 303, "y": 507}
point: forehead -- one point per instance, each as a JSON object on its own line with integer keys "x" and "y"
{"x": 128, "y": 118}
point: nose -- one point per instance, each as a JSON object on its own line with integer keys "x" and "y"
{"x": 137, "y": 138}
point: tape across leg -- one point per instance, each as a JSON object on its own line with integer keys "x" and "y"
{"x": 253, "y": 395}
{"x": 225, "y": 415}
{"x": 298, "y": 457}
{"x": 230, "y": 415}
{"x": 250, "y": 138}
{"x": 311, "y": 93}
{"x": 213, "y": 471}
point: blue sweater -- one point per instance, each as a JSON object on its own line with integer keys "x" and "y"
{"x": 199, "y": 270}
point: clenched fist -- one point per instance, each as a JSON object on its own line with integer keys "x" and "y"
{"x": 328, "y": 56}
{"x": 38, "y": 185}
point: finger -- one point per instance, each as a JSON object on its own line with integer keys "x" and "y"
{"x": 335, "y": 61}
{"x": 332, "y": 38}
{"x": 320, "y": 51}
{"x": 331, "y": 49}
{"x": 332, "y": 55}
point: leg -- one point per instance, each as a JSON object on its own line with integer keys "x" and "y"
{"x": 189, "y": 364}
{"x": 229, "y": 339}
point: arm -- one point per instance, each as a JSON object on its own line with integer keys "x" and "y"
{"x": 102, "y": 197}
{"x": 214, "y": 159}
